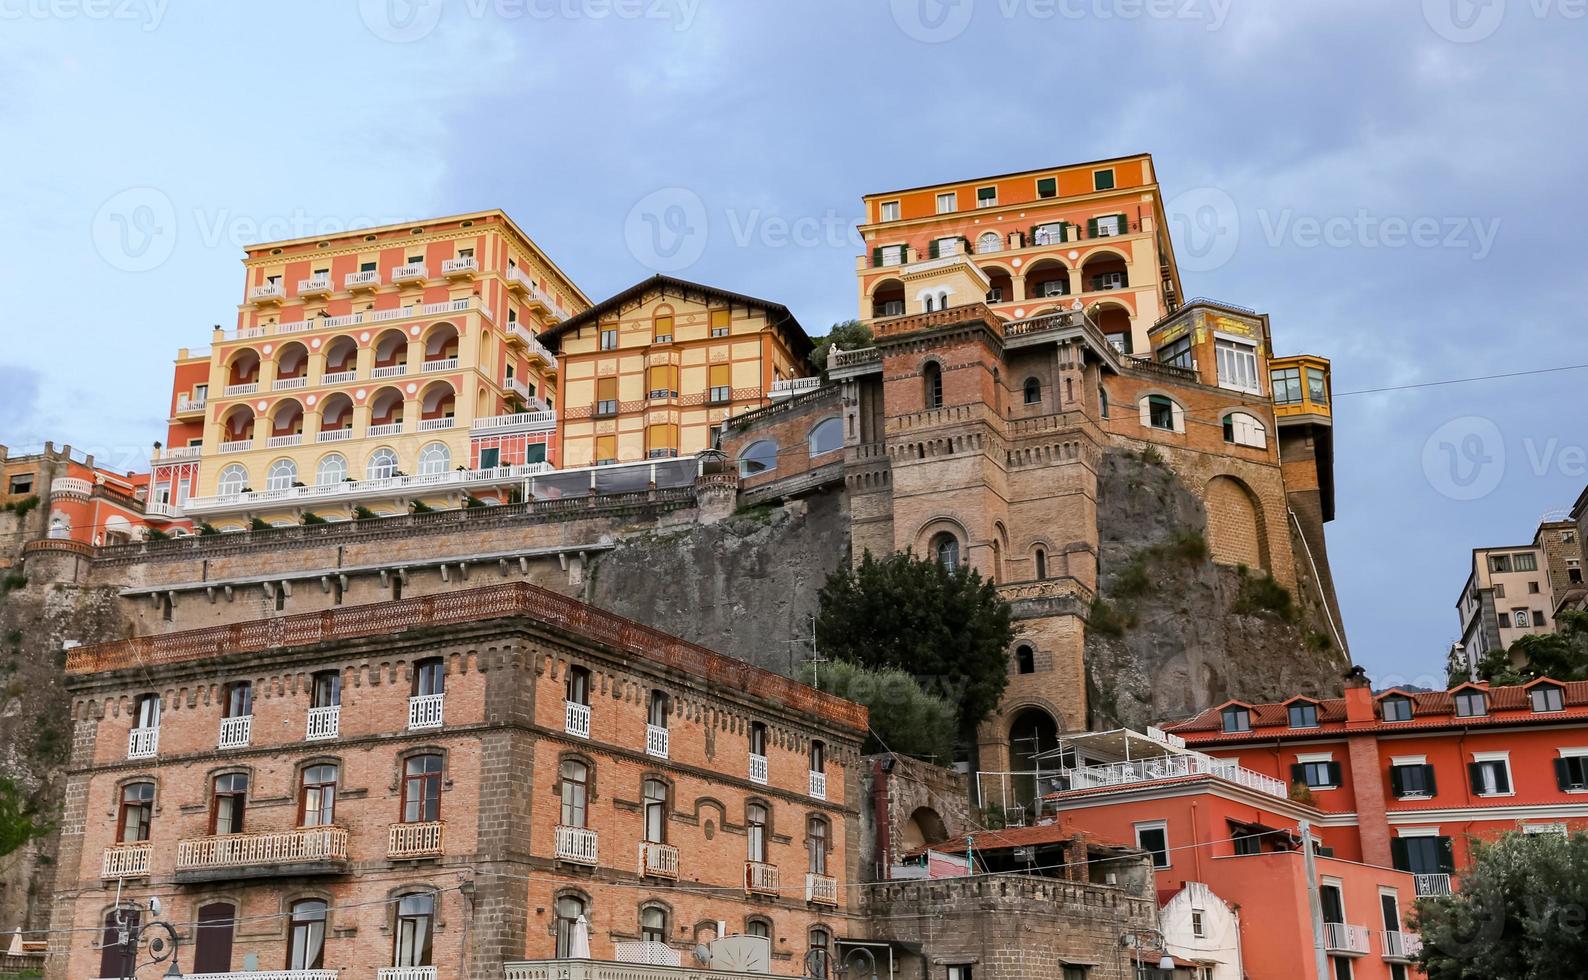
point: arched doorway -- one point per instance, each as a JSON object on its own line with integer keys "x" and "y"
{"x": 1032, "y": 733}
{"x": 923, "y": 827}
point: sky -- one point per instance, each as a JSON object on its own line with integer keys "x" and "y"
{"x": 1397, "y": 183}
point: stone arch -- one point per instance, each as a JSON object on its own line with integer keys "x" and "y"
{"x": 922, "y": 827}
{"x": 1237, "y": 527}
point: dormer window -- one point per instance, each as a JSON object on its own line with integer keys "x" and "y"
{"x": 1397, "y": 708}
{"x": 1303, "y": 714}
{"x": 1471, "y": 704}
{"x": 1547, "y": 697}
{"x": 1236, "y": 719}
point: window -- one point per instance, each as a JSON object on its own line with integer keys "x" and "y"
{"x": 331, "y": 469}
{"x": 755, "y": 832}
{"x": 890, "y": 210}
{"x": 606, "y": 450}
{"x": 721, "y": 321}
{"x": 1428, "y": 855}
{"x": 656, "y": 713}
{"x": 1052, "y": 233}
{"x": 662, "y": 330}
{"x": 282, "y": 475}
{"x": 327, "y": 689}
{"x": 1025, "y": 660}
{"x": 719, "y": 384}
{"x": 317, "y": 800}
{"x": 411, "y": 945}
{"x": 434, "y": 459}
{"x": 1236, "y": 719}
{"x": 1491, "y": 776}
{"x": 1499, "y": 563}
{"x": 1316, "y": 775}
{"x": 1303, "y": 715}
{"x": 1042, "y": 564}
{"x": 1317, "y": 386}
{"x": 662, "y": 381}
{"x": 1571, "y": 772}
{"x": 606, "y": 396}
{"x": 989, "y": 242}
{"x": 1547, "y": 697}
{"x": 239, "y": 700}
{"x": 491, "y": 458}
{"x": 1197, "y": 928}
{"x": 653, "y": 924}
{"x": 1520, "y": 617}
{"x": 1287, "y": 386}
{"x": 21, "y": 483}
{"x": 1532, "y": 588}
{"x": 422, "y": 789}
{"x": 757, "y": 738}
{"x": 890, "y": 255}
{"x": 945, "y": 548}
{"x": 306, "y": 941}
{"x": 944, "y": 247}
{"x": 946, "y": 203}
{"x": 816, "y": 845}
{"x": 570, "y": 909}
{"x": 1505, "y": 620}
{"x": 429, "y": 677}
{"x": 1102, "y": 180}
{"x": 229, "y": 803}
{"x": 609, "y": 338}
{"x": 827, "y": 436}
{"x": 1075, "y": 973}
{"x": 1499, "y": 590}
{"x": 137, "y": 813}
{"x": 1525, "y": 561}
{"x": 1154, "y": 838}
{"x": 146, "y": 713}
{"x": 575, "y": 779}
{"x": 1471, "y": 704}
{"x": 932, "y": 385}
{"x": 1109, "y": 225}
{"x": 1237, "y": 365}
{"x": 1160, "y": 413}
{"x": 1412, "y": 781}
{"x": 1047, "y": 187}
{"x": 758, "y": 457}
{"x": 232, "y": 479}
{"x": 961, "y": 971}
{"x": 212, "y": 947}
{"x": 382, "y": 465}
{"x": 1245, "y": 430}
{"x": 1033, "y": 391}
{"x": 986, "y": 197}
{"x": 655, "y": 796}
{"x": 758, "y": 927}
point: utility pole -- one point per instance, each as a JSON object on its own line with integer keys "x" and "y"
{"x": 1314, "y": 903}
{"x": 815, "y": 659}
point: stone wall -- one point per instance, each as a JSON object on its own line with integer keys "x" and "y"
{"x": 907, "y": 804}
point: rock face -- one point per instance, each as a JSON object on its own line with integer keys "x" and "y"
{"x": 1175, "y": 633}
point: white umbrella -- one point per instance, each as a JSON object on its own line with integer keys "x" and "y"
{"x": 579, "y": 946}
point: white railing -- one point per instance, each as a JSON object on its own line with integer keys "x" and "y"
{"x": 361, "y": 317}
{"x": 126, "y": 860}
{"x": 533, "y": 421}
{"x": 143, "y": 743}
{"x": 266, "y": 975}
{"x": 656, "y": 741}
{"x": 553, "y": 308}
{"x": 333, "y": 435}
{"x": 236, "y": 732}
{"x": 1401, "y": 945}
{"x": 411, "y": 272}
{"x": 244, "y": 333}
{"x": 156, "y": 508}
{"x": 355, "y": 280}
{"x": 576, "y": 719}
{"x": 270, "y": 290}
{"x": 516, "y": 277}
{"x": 236, "y": 446}
{"x": 323, "y": 723}
{"x": 72, "y": 485}
{"x": 605, "y": 970}
{"x": 409, "y": 840}
{"x": 406, "y": 973}
{"x": 658, "y": 860}
{"x": 296, "y": 326}
{"x": 821, "y": 889}
{"x": 389, "y": 429}
{"x": 247, "y": 388}
{"x": 289, "y": 384}
{"x": 338, "y": 377}
{"x": 760, "y": 878}
{"x": 284, "y": 847}
{"x": 818, "y": 785}
{"x": 577, "y": 844}
{"x": 432, "y": 425}
{"x": 1341, "y": 937}
{"x": 384, "y": 487}
{"x": 757, "y": 768}
{"x": 188, "y": 403}
{"x": 784, "y": 387}
{"x": 1432, "y": 885}
{"x": 459, "y": 266}
{"x": 646, "y": 952}
{"x": 517, "y": 387}
{"x": 444, "y": 364}
{"x": 389, "y": 371}
{"x": 181, "y": 452}
{"x": 425, "y": 711}
{"x": 283, "y": 442}
{"x": 1172, "y": 767}
{"x": 314, "y": 284}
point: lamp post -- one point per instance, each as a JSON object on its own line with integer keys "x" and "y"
{"x": 1142, "y": 940}
{"x": 819, "y": 964}
{"x": 161, "y": 948}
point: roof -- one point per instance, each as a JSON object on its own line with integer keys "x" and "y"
{"x": 778, "y": 314}
{"x": 1012, "y": 837}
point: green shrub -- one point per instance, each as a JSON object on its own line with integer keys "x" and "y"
{"x": 904, "y": 718}
{"x": 155, "y": 534}
{"x": 206, "y": 529}
{"x": 310, "y": 519}
{"x": 420, "y": 507}
{"x": 22, "y": 507}
{"x": 258, "y": 524}
{"x": 1132, "y": 581}
{"x": 362, "y": 513}
{"x": 1103, "y": 618}
{"x": 1259, "y": 594}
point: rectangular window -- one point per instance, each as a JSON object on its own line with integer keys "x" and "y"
{"x": 1160, "y": 413}
{"x": 606, "y": 396}
{"x": 1052, "y": 233}
{"x": 1532, "y": 588}
{"x": 944, "y": 247}
{"x": 1303, "y": 716}
{"x": 1316, "y": 775}
{"x": 1154, "y": 838}
{"x": 986, "y": 197}
{"x": 662, "y": 330}
{"x": 1109, "y": 226}
{"x": 1102, "y": 180}
{"x": 890, "y": 210}
{"x": 1047, "y": 187}
{"x": 606, "y": 450}
{"x": 1471, "y": 704}
{"x": 721, "y": 320}
{"x": 1525, "y": 561}
{"x": 1423, "y": 855}
{"x": 1491, "y": 777}
{"x": 946, "y": 203}
{"x": 1287, "y": 386}
{"x": 1317, "y": 386}
{"x": 960, "y": 971}
{"x": 1571, "y": 773}
{"x": 890, "y": 255}
{"x": 1414, "y": 781}
{"x": 1547, "y": 697}
{"x": 1505, "y": 620}
{"x": 1196, "y": 923}
{"x": 1499, "y": 563}
{"x": 609, "y": 339}
{"x": 22, "y": 483}
{"x": 1237, "y": 365}
{"x": 1176, "y": 353}
{"x": 490, "y": 459}
{"x": 720, "y": 384}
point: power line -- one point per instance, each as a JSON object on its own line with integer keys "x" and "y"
{"x": 1462, "y": 381}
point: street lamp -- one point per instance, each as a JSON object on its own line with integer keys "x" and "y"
{"x": 1139, "y": 941}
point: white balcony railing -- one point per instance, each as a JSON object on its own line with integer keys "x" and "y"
{"x": 190, "y": 403}
{"x": 266, "y": 975}
{"x": 386, "y": 429}
{"x": 324, "y": 723}
{"x": 818, "y": 785}
{"x": 389, "y": 371}
{"x": 379, "y": 488}
{"x": 315, "y": 285}
{"x": 246, "y": 388}
{"x": 527, "y": 421}
{"x": 368, "y": 279}
{"x": 608, "y": 970}
{"x": 1401, "y": 945}
{"x": 361, "y": 317}
{"x": 425, "y": 711}
{"x": 1432, "y": 885}
{"x": 126, "y": 860}
{"x": 70, "y": 486}
{"x": 303, "y": 845}
{"x": 181, "y": 452}
{"x": 656, "y": 741}
{"x": 461, "y": 266}
{"x": 294, "y": 326}
{"x": 443, "y": 364}
{"x": 333, "y": 435}
{"x": 757, "y": 768}
{"x": 268, "y": 291}
{"x": 517, "y": 387}
{"x": 760, "y": 878}
{"x": 1172, "y": 767}
{"x": 407, "y": 973}
{"x": 1342, "y": 937}
{"x": 658, "y": 860}
{"x": 787, "y": 387}
{"x": 576, "y": 719}
{"x": 338, "y": 377}
{"x": 290, "y": 384}
{"x": 413, "y": 272}
{"x": 236, "y": 446}
{"x": 646, "y": 952}
{"x": 143, "y": 743}
{"x": 517, "y": 280}
{"x": 433, "y": 425}
{"x": 236, "y": 732}
{"x": 159, "y": 508}
{"x": 285, "y": 442}
{"x": 821, "y": 889}
{"x": 411, "y": 840}
{"x": 577, "y": 844}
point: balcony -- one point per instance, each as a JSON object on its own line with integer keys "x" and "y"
{"x": 126, "y": 861}
{"x": 436, "y": 425}
{"x": 389, "y": 371}
{"x": 789, "y": 387}
{"x": 517, "y": 387}
{"x": 576, "y": 719}
{"x": 290, "y": 384}
{"x": 362, "y": 317}
{"x": 1401, "y": 946}
{"x": 1301, "y": 389}
{"x": 760, "y": 878}
{"x": 517, "y": 282}
{"x": 236, "y": 446}
{"x": 532, "y": 346}
{"x": 381, "y": 488}
{"x": 338, "y": 377}
{"x": 647, "y": 952}
{"x": 757, "y": 768}
{"x": 821, "y": 889}
{"x": 186, "y": 403}
{"x": 181, "y": 452}
{"x": 412, "y": 274}
{"x": 333, "y": 435}
{"x": 369, "y": 279}
{"x": 324, "y": 723}
{"x": 818, "y": 785}
{"x": 577, "y": 845}
{"x": 246, "y": 388}
{"x": 656, "y": 741}
{"x": 286, "y": 441}
{"x": 236, "y": 732}
{"x": 143, "y": 743}
{"x": 306, "y": 850}
{"x": 463, "y": 267}
{"x": 414, "y": 840}
{"x": 1432, "y": 886}
{"x": 425, "y": 711}
{"x": 70, "y": 486}
{"x": 161, "y": 509}
{"x": 444, "y": 364}
{"x": 406, "y": 973}
{"x": 611, "y": 970}
{"x": 1345, "y": 939}
{"x": 315, "y": 286}
{"x": 1172, "y": 767}
{"x": 386, "y": 429}
{"x": 270, "y": 292}
{"x": 538, "y": 421}
{"x": 658, "y": 860}
{"x": 267, "y": 975}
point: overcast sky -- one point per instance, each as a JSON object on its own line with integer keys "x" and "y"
{"x": 1395, "y": 181}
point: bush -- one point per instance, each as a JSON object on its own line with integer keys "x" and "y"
{"x": 22, "y": 507}
{"x": 362, "y": 513}
{"x": 1261, "y": 594}
{"x": 311, "y": 519}
{"x": 1132, "y": 581}
{"x": 904, "y": 718}
{"x": 1103, "y": 618}
{"x": 155, "y": 534}
{"x": 207, "y": 529}
{"x": 420, "y": 507}
{"x": 258, "y": 524}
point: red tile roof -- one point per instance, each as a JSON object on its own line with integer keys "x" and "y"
{"x": 1002, "y": 840}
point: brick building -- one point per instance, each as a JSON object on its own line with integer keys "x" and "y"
{"x": 434, "y": 787}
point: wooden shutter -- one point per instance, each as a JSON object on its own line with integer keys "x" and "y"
{"x": 876, "y": 258}
{"x": 1475, "y": 776}
{"x": 1398, "y": 854}
{"x": 606, "y": 447}
{"x": 933, "y": 250}
{"x": 1396, "y": 788}
{"x": 721, "y": 375}
{"x": 1298, "y": 774}
{"x": 1091, "y": 227}
{"x": 116, "y": 960}
{"x": 1334, "y": 775}
{"x": 722, "y": 318}
{"x": 1428, "y": 777}
{"x": 606, "y": 389}
{"x": 213, "y": 946}
{"x": 663, "y": 327}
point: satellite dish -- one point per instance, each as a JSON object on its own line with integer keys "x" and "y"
{"x": 702, "y": 954}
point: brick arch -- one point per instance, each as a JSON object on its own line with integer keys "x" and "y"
{"x": 1237, "y": 527}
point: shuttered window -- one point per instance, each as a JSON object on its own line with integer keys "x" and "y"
{"x": 606, "y": 396}
{"x": 720, "y": 321}
{"x": 721, "y": 383}
{"x": 606, "y": 450}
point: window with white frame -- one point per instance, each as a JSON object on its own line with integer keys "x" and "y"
{"x": 282, "y": 475}
{"x": 232, "y": 479}
{"x": 893, "y": 255}
{"x": 1237, "y": 365}
{"x": 1491, "y": 773}
{"x": 1241, "y": 429}
{"x": 890, "y": 210}
{"x": 947, "y": 247}
{"x": 946, "y": 203}
{"x": 1547, "y": 697}
{"x": 434, "y": 459}
{"x": 1154, "y": 838}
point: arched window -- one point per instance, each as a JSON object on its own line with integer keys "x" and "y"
{"x": 212, "y": 941}
{"x": 758, "y": 457}
{"x": 1025, "y": 660}
{"x": 317, "y": 799}
{"x": 755, "y": 832}
{"x": 932, "y": 385}
{"x": 1042, "y": 563}
{"x": 655, "y": 796}
{"x": 1033, "y": 391}
{"x": 306, "y": 940}
{"x": 434, "y": 459}
{"x": 945, "y": 548}
{"x": 422, "y": 789}
{"x": 575, "y": 778}
{"x": 229, "y": 803}
{"x": 653, "y": 924}
{"x": 137, "y": 813}
{"x": 816, "y": 845}
{"x": 117, "y": 955}
{"x": 570, "y": 909}
{"x": 758, "y": 927}
{"x": 930, "y": 301}
{"x": 827, "y": 435}
{"x": 331, "y": 469}
{"x": 282, "y": 475}
{"x": 232, "y": 479}
{"x": 988, "y": 242}
{"x": 819, "y": 957}
{"x": 1242, "y": 429}
{"x": 1162, "y": 412}
{"x": 416, "y": 915}
{"x": 382, "y": 464}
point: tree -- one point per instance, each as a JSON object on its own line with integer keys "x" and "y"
{"x": 19, "y": 817}
{"x": 1518, "y": 914}
{"x": 1561, "y": 655}
{"x": 849, "y": 335}
{"x": 904, "y": 718}
{"x": 949, "y": 630}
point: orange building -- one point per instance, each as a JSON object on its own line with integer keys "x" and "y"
{"x": 77, "y": 500}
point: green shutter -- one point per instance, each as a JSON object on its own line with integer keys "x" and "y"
{"x": 876, "y": 258}
{"x": 1396, "y": 787}
{"x": 1091, "y": 227}
{"x": 1064, "y": 231}
{"x": 1124, "y": 224}
{"x": 1428, "y": 777}
{"x": 1475, "y": 776}
{"x": 964, "y": 245}
{"x": 1031, "y": 237}
{"x": 1398, "y": 855}
{"x": 934, "y": 248}
{"x": 1298, "y": 774}
{"x": 1334, "y": 775}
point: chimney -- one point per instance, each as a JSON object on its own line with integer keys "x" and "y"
{"x": 1358, "y": 697}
